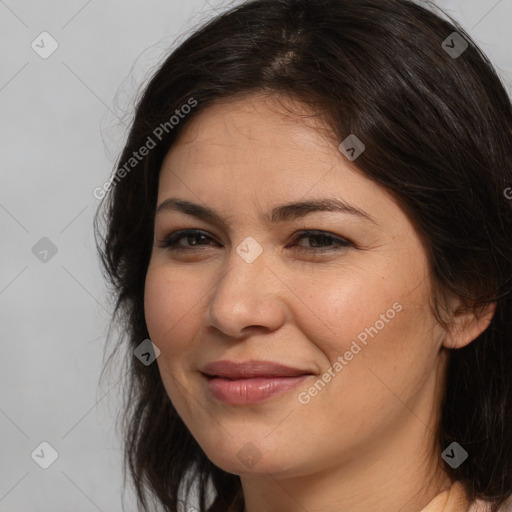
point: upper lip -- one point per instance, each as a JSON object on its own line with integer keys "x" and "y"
{"x": 249, "y": 369}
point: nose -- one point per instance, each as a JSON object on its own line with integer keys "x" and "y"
{"x": 246, "y": 296}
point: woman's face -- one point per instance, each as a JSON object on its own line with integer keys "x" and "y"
{"x": 341, "y": 294}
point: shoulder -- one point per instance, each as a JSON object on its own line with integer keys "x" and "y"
{"x": 485, "y": 506}
{"x": 480, "y": 506}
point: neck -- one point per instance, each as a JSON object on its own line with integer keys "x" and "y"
{"x": 394, "y": 488}
{"x": 395, "y": 495}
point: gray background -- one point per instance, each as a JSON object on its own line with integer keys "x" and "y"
{"x": 63, "y": 122}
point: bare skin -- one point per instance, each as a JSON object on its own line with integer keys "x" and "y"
{"x": 366, "y": 441}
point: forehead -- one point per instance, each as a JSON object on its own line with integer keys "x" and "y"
{"x": 260, "y": 152}
{"x": 262, "y": 122}
{"x": 268, "y": 139}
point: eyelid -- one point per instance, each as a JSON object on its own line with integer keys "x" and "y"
{"x": 178, "y": 234}
{"x": 343, "y": 243}
{"x": 319, "y": 232}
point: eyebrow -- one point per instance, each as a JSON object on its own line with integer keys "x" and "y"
{"x": 285, "y": 212}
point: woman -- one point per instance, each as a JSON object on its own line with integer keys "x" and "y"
{"x": 309, "y": 223}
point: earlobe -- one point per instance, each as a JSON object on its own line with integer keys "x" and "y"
{"x": 467, "y": 323}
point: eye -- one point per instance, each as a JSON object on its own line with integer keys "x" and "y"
{"x": 194, "y": 237}
{"x": 322, "y": 242}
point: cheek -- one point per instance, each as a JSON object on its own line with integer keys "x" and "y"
{"x": 380, "y": 315}
{"x": 171, "y": 302}
{"x": 171, "y": 305}
{"x": 340, "y": 305}
{"x": 382, "y": 330}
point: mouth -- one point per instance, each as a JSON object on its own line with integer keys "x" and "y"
{"x": 251, "y": 369}
{"x": 251, "y": 381}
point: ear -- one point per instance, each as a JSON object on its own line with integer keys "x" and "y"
{"x": 466, "y": 323}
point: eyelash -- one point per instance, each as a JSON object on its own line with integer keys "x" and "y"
{"x": 171, "y": 241}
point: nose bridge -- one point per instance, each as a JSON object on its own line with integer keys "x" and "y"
{"x": 245, "y": 267}
{"x": 243, "y": 295}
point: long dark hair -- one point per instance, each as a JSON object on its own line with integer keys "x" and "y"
{"x": 437, "y": 127}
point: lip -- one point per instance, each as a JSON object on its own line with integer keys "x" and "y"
{"x": 251, "y": 382}
{"x": 251, "y": 369}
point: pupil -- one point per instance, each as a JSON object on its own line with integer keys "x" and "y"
{"x": 316, "y": 239}
{"x": 193, "y": 238}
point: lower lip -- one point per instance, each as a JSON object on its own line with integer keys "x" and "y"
{"x": 253, "y": 390}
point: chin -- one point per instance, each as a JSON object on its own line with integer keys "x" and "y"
{"x": 249, "y": 460}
